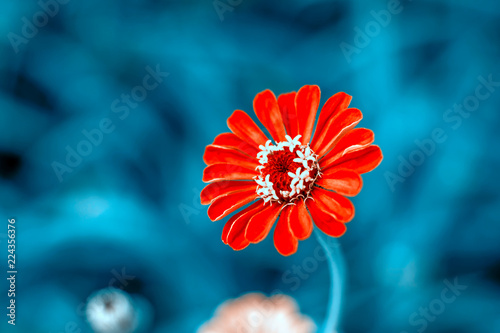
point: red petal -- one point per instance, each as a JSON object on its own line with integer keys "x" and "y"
{"x": 336, "y": 127}
{"x": 261, "y": 223}
{"x": 360, "y": 161}
{"x": 232, "y": 141}
{"x": 338, "y": 102}
{"x": 307, "y": 102}
{"x": 334, "y": 204}
{"x": 245, "y": 128}
{"x": 356, "y": 139}
{"x": 286, "y": 103}
{"x": 300, "y": 221}
{"x": 267, "y": 110}
{"x": 219, "y": 172}
{"x": 233, "y": 233}
{"x": 225, "y": 205}
{"x": 345, "y": 182}
{"x": 324, "y": 221}
{"x": 219, "y": 155}
{"x": 217, "y": 189}
{"x": 284, "y": 241}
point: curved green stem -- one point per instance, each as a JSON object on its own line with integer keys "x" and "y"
{"x": 335, "y": 261}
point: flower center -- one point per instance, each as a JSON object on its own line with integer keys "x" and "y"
{"x": 287, "y": 171}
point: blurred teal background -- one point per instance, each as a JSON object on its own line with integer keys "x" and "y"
{"x": 123, "y": 210}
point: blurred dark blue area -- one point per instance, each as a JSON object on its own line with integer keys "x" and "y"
{"x": 105, "y": 187}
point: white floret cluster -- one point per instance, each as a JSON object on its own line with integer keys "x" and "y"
{"x": 302, "y": 175}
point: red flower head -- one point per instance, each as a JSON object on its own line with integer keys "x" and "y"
{"x": 295, "y": 179}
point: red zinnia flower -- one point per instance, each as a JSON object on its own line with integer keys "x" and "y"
{"x": 296, "y": 178}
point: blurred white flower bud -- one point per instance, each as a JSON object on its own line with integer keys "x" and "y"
{"x": 111, "y": 311}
